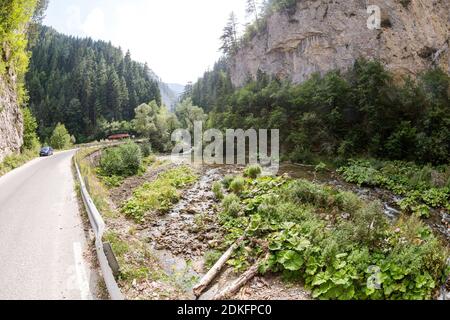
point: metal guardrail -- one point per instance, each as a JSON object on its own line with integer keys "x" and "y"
{"x": 98, "y": 225}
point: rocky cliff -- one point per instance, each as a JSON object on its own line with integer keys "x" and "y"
{"x": 11, "y": 122}
{"x": 322, "y": 35}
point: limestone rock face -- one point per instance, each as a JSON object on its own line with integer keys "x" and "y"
{"x": 11, "y": 122}
{"x": 322, "y": 35}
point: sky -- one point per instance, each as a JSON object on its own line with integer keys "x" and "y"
{"x": 179, "y": 39}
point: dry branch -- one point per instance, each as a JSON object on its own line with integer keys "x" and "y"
{"x": 212, "y": 274}
{"x": 236, "y": 285}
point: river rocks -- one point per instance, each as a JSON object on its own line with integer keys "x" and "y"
{"x": 190, "y": 229}
{"x": 323, "y": 35}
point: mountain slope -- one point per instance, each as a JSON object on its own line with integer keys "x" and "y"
{"x": 178, "y": 89}
{"x": 169, "y": 95}
{"x": 170, "y": 92}
{"x": 81, "y": 83}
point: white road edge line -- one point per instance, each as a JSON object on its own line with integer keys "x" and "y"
{"x": 80, "y": 269}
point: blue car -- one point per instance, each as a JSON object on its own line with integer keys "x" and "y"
{"x": 46, "y": 152}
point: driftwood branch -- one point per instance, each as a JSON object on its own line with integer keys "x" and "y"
{"x": 236, "y": 285}
{"x": 215, "y": 270}
{"x": 303, "y": 165}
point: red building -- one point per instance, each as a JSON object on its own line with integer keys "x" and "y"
{"x": 121, "y": 136}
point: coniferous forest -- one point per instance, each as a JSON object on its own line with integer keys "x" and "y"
{"x": 82, "y": 82}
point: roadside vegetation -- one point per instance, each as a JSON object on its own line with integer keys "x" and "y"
{"x": 123, "y": 161}
{"x": 14, "y": 161}
{"x": 107, "y": 168}
{"x": 96, "y": 188}
{"x": 339, "y": 246}
{"x": 30, "y": 147}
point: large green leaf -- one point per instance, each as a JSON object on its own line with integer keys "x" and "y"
{"x": 291, "y": 260}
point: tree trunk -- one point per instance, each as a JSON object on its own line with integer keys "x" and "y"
{"x": 234, "y": 287}
{"x": 212, "y": 274}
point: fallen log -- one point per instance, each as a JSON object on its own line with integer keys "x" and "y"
{"x": 212, "y": 274}
{"x": 236, "y": 285}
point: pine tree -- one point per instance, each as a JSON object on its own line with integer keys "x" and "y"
{"x": 229, "y": 37}
{"x": 253, "y": 10}
{"x": 113, "y": 95}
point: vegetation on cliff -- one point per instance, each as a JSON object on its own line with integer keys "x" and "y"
{"x": 17, "y": 21}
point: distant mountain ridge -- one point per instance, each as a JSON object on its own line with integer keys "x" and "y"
{"x": 170, "y": 92}
{"x": 177, "y": 88}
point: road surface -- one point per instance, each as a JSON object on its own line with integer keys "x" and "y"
{"x": 42, "y": 239}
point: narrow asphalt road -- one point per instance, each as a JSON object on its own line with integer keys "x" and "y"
{"x": 41, "y": 233}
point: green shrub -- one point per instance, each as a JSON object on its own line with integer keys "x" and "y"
{"x": 60, "y": 138}
{"x": 111, "y": 162}
{"x": 238, "y": 185}
{"x": 368, "y": 224}
{"x": 124, "y": 160}
{"x": 231, "y": 205}
{"x": 146, "y": 149}
{"x": 227, "y": 181}
{"x": 217, "y": 190}
{"x": 112, "y": 181}
{"x": 252, "y": 171}
{"x": 321, "y": 167}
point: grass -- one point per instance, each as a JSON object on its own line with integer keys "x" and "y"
{"x": 96, "y": 188}
{"x": 15, "y": 161}
{"x": 160, "y": 195}
{"x": 237, "y": 185}
{"x": 252, "y": 171}
{"x": 134, "y": 259}
{"x": 218, "y": 190}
